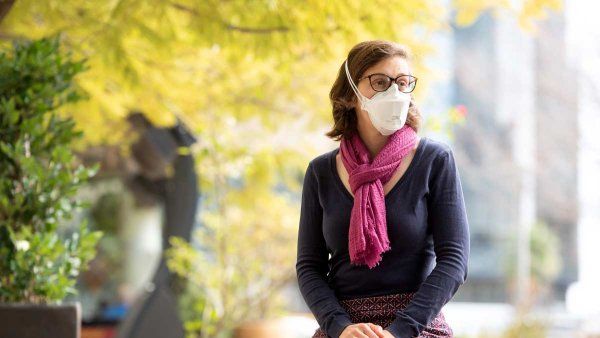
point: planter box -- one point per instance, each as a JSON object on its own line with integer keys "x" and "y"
{"x": 40, "y": 321}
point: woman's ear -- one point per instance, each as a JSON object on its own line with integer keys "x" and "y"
{"x": 357, "y": 109}
{"x": 351, "y": 102}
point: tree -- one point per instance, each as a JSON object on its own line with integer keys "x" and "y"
{"x": 200, "y": 60}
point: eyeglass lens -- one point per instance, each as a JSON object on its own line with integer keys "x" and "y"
{"x": 380, "y": 83}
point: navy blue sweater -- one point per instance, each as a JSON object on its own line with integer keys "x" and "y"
{"x": 429, "y": 237}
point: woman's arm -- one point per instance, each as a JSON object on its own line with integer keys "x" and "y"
{"x": 311, "y": 263}
{"x": 448, "y": 220}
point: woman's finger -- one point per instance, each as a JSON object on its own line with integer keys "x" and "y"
{"x": 377, "y": 329}
{"x": 367, "y": 330}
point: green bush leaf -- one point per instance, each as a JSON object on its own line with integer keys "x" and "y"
{"x": 38, "y": 174}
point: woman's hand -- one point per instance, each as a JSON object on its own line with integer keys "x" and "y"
{"x": 363, "y": 330}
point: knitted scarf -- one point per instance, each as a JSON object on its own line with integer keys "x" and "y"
{"x": 368, "y": 239}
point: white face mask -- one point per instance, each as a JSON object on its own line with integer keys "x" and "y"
{"x": 387, "y": 110}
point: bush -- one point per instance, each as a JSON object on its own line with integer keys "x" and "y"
{"x": 237, "y": 265}
{"x": 39, "y": 176}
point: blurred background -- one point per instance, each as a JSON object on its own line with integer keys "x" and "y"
{"x": 203, "y": 116}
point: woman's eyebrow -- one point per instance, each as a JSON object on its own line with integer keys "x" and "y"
{"x": 397, "y": 76}
{"x": 382, "y": 73}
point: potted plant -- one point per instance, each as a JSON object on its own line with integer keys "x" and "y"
{"x": 39, "y": 180}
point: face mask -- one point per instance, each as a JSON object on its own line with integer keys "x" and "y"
{"x": 387, "y": 110}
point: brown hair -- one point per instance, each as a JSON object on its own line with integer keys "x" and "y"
{"x": 360, "y": 58}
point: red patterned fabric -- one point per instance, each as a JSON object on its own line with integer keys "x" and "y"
{"x": 381, "y": 310}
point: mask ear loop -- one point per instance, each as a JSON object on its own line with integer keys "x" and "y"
{"x": 353, "y": 86}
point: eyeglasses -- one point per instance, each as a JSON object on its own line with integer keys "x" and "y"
{"x": 381, "y": 82}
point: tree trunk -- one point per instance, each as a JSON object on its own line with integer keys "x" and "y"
{"x": 5, "y": 6}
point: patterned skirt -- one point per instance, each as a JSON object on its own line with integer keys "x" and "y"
{"x": 381, "y": 310}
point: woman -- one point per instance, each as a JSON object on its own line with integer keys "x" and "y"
{"x": 383, "y": 241}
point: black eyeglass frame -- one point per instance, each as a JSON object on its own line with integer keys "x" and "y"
{"x": 411, "y": 80}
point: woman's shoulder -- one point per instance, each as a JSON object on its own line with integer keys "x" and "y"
{"x": 322, "y": 162}
{"x": 438, "y": 157}
{"x": 434, "y": 149}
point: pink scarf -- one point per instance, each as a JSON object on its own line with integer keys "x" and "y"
{"x": 368, "y": 238}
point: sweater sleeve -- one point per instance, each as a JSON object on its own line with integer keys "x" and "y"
{"x": 312, "y": 262}
{"x": 447, "y": 220}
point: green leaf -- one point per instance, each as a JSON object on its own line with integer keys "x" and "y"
{"x": 39, "y": 177}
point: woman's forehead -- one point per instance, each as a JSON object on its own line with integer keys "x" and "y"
{"x": 392, "y": 66}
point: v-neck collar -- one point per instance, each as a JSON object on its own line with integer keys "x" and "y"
{"x": 408, "y": 172}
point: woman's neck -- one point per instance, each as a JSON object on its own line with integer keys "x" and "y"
{"x": 372, "y": 139}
